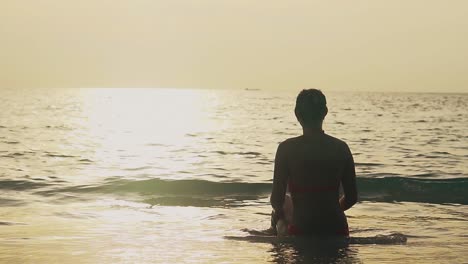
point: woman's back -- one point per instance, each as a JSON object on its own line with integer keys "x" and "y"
{"x": 316, "y": 166}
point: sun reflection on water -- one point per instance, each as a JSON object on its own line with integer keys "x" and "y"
{"x": 136, "y": 115}
{"x": 134, "y": 128}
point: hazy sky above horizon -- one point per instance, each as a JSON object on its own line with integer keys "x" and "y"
{"x": 372, "y": 45}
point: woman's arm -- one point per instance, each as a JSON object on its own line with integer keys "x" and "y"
{"x": 348, "y": 182}
{"x": 280, "y": 181}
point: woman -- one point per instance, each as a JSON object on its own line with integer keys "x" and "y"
{"x": 311, "y": 168}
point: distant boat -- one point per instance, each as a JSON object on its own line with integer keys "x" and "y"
{"x": 252, "y": 89}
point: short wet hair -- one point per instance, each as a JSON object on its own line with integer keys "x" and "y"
{"x": 311, "y": 106}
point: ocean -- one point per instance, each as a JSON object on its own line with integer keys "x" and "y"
{"x": 171, "y": 175}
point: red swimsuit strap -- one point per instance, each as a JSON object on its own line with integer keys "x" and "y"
{"x": 311, "y": 189}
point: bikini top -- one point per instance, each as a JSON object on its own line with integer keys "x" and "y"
{"x": 294, "y": 188}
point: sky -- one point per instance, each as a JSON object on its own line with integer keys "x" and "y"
{"x": 360, "y": 45}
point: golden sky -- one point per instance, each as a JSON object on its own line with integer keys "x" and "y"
{"x": 372, "y": 45}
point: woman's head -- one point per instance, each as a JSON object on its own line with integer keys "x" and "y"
{"x": 311, "y": 107}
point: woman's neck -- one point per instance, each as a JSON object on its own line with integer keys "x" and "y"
{"x": 312, "y": 131}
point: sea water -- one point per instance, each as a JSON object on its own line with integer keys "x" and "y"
{"x": 166, "y": 175}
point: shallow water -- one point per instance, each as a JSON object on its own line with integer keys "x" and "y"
{"x": 159, "y": 175}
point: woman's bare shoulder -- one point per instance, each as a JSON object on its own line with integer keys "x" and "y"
{"x": 289, "y": 142}
{"x": 337, "y": 141}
